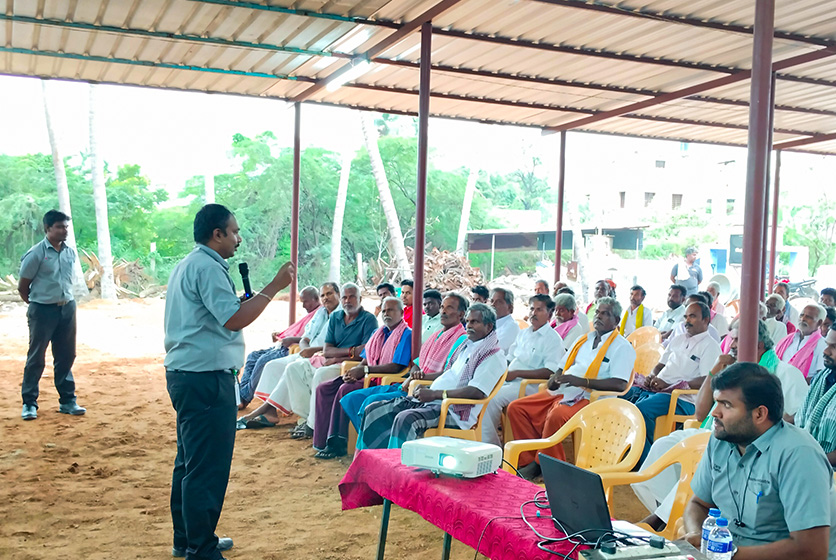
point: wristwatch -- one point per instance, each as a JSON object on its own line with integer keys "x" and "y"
{"x": 366, "y": 370}
{"x": 444, "y": 395}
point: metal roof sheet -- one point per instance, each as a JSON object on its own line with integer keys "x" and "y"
{"x": 539, "y": 63}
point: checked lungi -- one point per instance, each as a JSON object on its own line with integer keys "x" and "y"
{"x": 391, "y": 423}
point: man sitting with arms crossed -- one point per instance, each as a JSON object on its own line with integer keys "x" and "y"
{"x": 567, "y": 321}
{"x": 507, "y": 327}
{"x": 687, "y": 360}
{"x": 387, "y": 351}
{"x": 637, "y": 315}
{"x": 536, "y": 354}
{"x": 431, "y": 362}
{"x": 348, "y": 331}
{"x": 474, "y": 370}
{"x": 600, "y": 361}
{"x": 674, "y": 313}
{"x": 271, "y": 387}
{"x": 805, "y": 347}
{"x": 257, "y": 359}
{"x": 818, "y": 413}
{"x": 771, "y": 479}
{"x": 431, "y": 321}
{"x": 658, "y": 493}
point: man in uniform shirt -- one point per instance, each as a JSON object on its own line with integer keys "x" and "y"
{"x": 805, "y": 347}
{"x": 673, "y": 315}
{"x": 818, "y": 413}
{"x": 507, "y": 327}
{"x": 535, "y": 354}
{"x": 204, "y": 349}
{"x": 46, "y": 281}
{"x": 771, "y": 479}
{"x": 685, "y": 363}
{"x": 431, "y": 321}
{"x": 637, "y": 315}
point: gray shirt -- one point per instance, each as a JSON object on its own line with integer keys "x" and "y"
{"x": 357, "y": 332}
{"x": 692, "y": 284}
{"x": 200, "y": 300}
{"x": 782, "y": 483}
{"x": 51, "y": 272}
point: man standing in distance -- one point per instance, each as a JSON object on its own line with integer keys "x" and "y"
{"x": 688, "y": 273}
{"x": 204, "y": 349}
{"x": 46, "y": 280}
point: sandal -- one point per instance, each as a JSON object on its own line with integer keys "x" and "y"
{"x": 302, "y": 432}
{"x": 259, "y": 421}
{"x": 328, "y": 453}
{"x": 240, "y": 424}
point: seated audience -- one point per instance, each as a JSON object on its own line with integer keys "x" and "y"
{"x": 475, "y": 368}
{"x": 430, "y": 363}
{"x": 637, "y": 315}
{"x": 557, "y": 287}
{"x": 679, "y": 329}
{"x": 771, "y": 479}
{"x": 387, "y": 351}
{"x": 583, "y": 320}
{"x": 829, "y": 319}
{"x": 790, "y": 314}
{"x": 719, "y": 322}
{"x": 313, "y": 341}
{"x": 535, "y": 354}
{"x": 600, "y": 361}
{"x": 713, "y": 289}
{"x": 818, "y": 413}
{"x": 804, "y": 348}
{"x": 407, "y": 286}
{"x": 567, "y": 321}
{"x": 658, "y": 493}
{"x": 479, "y": 294}
{"x": 685, "y": 363}
{"x": 256, "y": 360}
{"x": 674, "y": 313}
{"x": 828, "y": 297}
{"x": 541, "y": 287}
{"x": 507, "y": 327}
{"x": 431, "y": 321}
{"x": 774, "y": 307}
{"x": 603, "y": 288}
{"x": 384, "y": 291}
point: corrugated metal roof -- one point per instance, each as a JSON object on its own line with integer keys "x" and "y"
{"x": 539, "y": 63}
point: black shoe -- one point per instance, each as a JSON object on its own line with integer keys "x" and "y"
{"x": 223, "y": 544}
{"x": 302, "y": 432}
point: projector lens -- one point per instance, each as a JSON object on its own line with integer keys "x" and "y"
{"x": 448, "y": 461}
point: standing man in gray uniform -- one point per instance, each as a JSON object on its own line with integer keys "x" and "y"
{"x": 204, "y": 350}
{"x": 46, "y": 281}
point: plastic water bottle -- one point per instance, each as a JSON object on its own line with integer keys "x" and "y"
{"x": 720, "y": 546}
{"x": 707, "y": 525}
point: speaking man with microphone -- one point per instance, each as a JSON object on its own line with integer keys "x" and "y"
{"x": 204, "y": 349}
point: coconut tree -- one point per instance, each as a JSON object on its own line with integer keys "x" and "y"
{"x": 396, "y": 242}
{"x": 339, "y": 213}
{"x": 79, "y": 286}
{"x": 108, "y": 287}
{"x": 469, "y": 190}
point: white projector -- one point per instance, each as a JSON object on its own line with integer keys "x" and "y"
{"x": 456, "y": 457}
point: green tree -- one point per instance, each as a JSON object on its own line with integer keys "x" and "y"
{"x": 812, "y": 227}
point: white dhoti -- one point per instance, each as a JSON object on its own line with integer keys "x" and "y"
{"x": 657, "y": 494}
{"x": 325, "y": 373}
{"x": 295, "y": 392}
{"x": 493, "y": 410}
{"x": 272, "y": 374}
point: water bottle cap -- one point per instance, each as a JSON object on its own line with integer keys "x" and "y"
{"x": 714, "y": 512}
{"x": 722, "y": 522}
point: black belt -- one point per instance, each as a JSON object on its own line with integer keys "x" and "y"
{"x": 223, "y": 371}
{"x": 58, "y": 303}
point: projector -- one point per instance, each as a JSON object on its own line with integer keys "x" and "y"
{"x": 456, "y": 457}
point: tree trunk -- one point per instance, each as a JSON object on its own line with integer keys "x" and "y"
{"x": 396, "y": 243}
{"x": 209, "y": 189}
{"x": 108, "y": 288}
{"x": 469, "y": 190}
{"x": 79, "y": 286}
{"x": 339, "y": 212}
{"x": 579, "y": 248}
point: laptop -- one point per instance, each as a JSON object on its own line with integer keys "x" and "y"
{"x": 577, "y": 500}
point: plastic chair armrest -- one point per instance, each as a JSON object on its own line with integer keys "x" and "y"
{"x": 294, "y": 349}
{"x": 541, "y": 383}
{"x": 675, "y": 394}
{"x": 416, "y": 382}
{"x": 692, "y": 423}
{"x": 513, "y": 449}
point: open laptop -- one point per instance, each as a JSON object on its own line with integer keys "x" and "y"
{"x": 577, "y": 500}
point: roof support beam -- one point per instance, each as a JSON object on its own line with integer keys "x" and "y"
{"x": 805, "y": 141}
{"x": 396, "y": 37}
{"x": 693, "y": 90}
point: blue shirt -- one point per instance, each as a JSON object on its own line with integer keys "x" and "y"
{"x": 51, "y": 272}
{"x": 200, "y": 300}
{"x": 356, "y": 333}
{"x": 403, "y": 352}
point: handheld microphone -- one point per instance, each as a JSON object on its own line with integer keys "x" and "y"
{"x": 245, "y": 277}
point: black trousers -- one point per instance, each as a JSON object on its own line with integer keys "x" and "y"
{"x": 50, "y": 323}
{"x": 206, "y": 409}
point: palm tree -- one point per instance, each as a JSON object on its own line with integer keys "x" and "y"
{"x": 79, "y": 286}
{"x": 395, "y": 235}
{"x": 339, "y": 212}
{"x": 469, "y": 191}
{"x": 108, "y": 287}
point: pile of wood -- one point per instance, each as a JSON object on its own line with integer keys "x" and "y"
{"x": 8, "y": 289}
{"x": 447, "y": 271}
{"x": 129, "y": 277}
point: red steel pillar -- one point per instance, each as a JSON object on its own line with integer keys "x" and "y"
{"x": 766, "y": 287}
{"x": 421, "y": 197}
{"x": 759, "y": 107}
{"x": 776, "y": 193}
{"x": 294, "y": 210}
{"x": 561, "y": 186}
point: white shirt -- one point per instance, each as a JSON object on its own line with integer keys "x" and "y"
{"x": 583, "y": 321}
{"x": 670, "y": 318}
{"x": 688, "y": 358}
{"x": 542, "y": 348}
{"x": 630, "y": 325}
{"x": 484, "y": 379}
{"x": 680, "y": 330}
{"x": 507, "y": 330}
{"x": 777, "y": 330}
{"x": 793, "y": 385}
{"x": 720, "y": 323}
{"x": 791, "y": 314}
{"x": 818, "y": 356}
{"x": 317, "y": 327}
{"x": 429, "y": 325}
{"x": 618, "y": 364}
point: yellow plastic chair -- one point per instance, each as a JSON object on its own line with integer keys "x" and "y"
{"x": 687, "y": 453}
{"x": 667, "y": 423}
{"x": 734, "y": 304}
{"x": 523, "y": 324}
{"x": 474, "y": 433}
{"x": 643, "y": 335}
{"x": 294, "y": 349}
{"x": 595, "y": 395}
{"x": 524, "y": 385}
{"x": 647, "y": 357}
{"x": 611, "y": 438}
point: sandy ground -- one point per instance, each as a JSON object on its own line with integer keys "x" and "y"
{"x": 96, "y": 486}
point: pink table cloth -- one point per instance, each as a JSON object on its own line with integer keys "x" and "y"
{"x": 461, "y": 507}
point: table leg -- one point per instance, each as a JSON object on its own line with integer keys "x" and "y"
{"x": 445, "y": 547}
{"x": 384, "y": 529}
